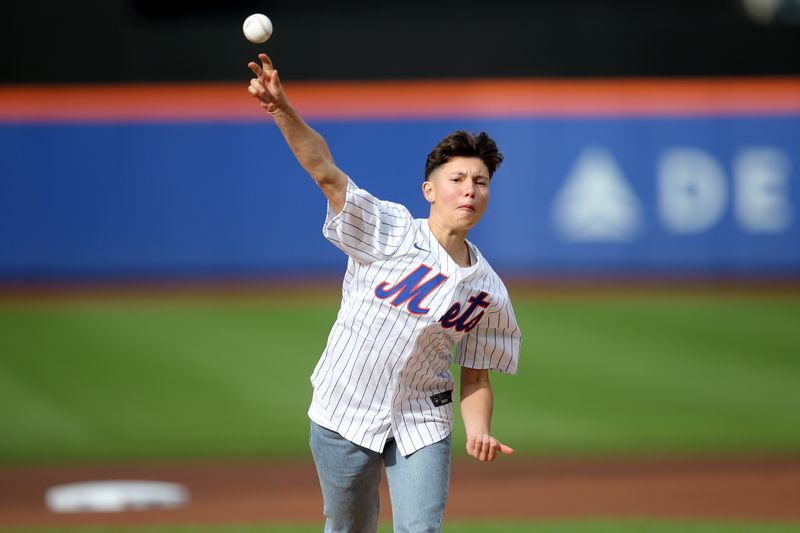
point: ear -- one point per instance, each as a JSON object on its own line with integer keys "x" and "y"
{"x": 428, "y": 192}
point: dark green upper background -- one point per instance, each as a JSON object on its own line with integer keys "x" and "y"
{"x": 47, "y": 41}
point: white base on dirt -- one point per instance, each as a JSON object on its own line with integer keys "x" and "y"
{"x": 115, "y": 496}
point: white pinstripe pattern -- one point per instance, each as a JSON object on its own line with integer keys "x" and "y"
{"x": 383, "y": 362}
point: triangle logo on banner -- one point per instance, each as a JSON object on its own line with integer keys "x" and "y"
{"x": 596, "y": 203}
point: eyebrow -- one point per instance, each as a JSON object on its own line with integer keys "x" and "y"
{"x": 462, "y": 173}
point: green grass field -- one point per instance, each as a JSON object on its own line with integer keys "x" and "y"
{"x": 197, "y": 378}
{"x": 184, "y": 378}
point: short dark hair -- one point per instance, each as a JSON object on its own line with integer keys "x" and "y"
{"x": 464, "y": 144}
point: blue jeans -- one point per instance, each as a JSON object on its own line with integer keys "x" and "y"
{"x": 349, "y": 476}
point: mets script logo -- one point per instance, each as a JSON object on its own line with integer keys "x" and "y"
{"x": 414, "y": 288}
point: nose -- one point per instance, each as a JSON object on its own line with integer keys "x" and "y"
{"x": 469, "y": 188}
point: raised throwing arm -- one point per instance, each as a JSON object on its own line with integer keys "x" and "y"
{"x": 308, "y": 146}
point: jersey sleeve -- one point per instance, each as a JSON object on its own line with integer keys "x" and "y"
{"x": 494, "y": 344}
{"x": 367, "y": 229}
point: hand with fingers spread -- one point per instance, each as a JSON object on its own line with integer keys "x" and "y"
{"x": 266, "y": 86}
{"x": 485, "y": 448}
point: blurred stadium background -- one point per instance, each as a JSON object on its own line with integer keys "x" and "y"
{"x": 157, "y": 232}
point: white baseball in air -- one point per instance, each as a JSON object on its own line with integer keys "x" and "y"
{"x": 257, "y": 28}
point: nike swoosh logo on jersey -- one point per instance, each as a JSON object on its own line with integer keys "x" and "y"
{"x": 420, "y": 249}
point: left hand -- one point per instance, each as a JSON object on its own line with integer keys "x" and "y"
{"x": 484, "y": 447}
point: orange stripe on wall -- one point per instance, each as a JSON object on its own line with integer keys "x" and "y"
{"x": 405, "y": 99}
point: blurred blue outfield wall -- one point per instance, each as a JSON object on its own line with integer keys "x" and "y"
{"x": 578, "y": 196}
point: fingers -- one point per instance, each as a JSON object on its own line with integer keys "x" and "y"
{"x": 485, "y": 448}
{"x": 260, "y": 72}
{"x": 256, "y": 88}
{"x": 266, "y": 62}
{"x": 507, "y": 450}
{"x": 255, "y": 68}
{"x": 263, "y": 70}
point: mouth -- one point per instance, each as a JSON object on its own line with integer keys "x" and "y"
{"x": 467, "y": 207}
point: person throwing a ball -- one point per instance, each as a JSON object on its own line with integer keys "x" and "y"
{"x": 416, "y": 293}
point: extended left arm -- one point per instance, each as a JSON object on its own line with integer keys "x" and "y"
{"x": 477, "y": 402}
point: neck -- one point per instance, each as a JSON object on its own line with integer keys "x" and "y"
{"x": 453, "y": 241}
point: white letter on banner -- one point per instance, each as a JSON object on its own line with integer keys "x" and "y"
{"x": 762, "y": 180}
{"x": 691, "y": 190}
{"x": 595, "y": 203}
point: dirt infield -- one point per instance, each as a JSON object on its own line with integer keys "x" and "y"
{"x": 257, "y": 492}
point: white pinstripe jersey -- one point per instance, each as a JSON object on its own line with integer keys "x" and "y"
{"x": 405, "y": 304}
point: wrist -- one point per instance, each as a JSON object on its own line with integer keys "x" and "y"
{"x": 280, "y": 110}
{"x": 473, "y": 429}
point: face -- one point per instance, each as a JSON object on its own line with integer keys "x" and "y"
{"x": 458, "y": 192}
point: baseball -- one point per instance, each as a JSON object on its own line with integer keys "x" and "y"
{"x": 257, "y": 28}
